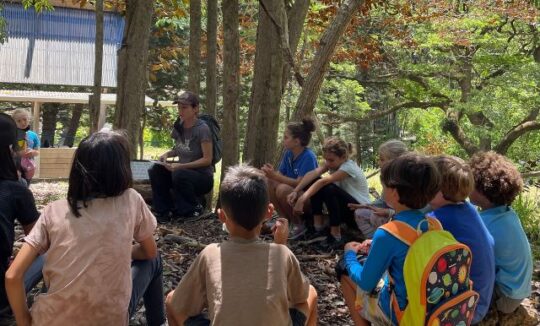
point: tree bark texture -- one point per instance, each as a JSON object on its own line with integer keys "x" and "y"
{"x": 312, "y": 86}
{"x": 296, "y": 16}
{"x": 211, "y": 55}
{"x": 263, "y": 119}
{"x": 95, "y": 99}
{"x": 231, "y": 83}
{"x": 48, "y": 129}
{"x": 73, "y": 124}
{"x": 132, "y": 70}
{"x": 194, "y": 68}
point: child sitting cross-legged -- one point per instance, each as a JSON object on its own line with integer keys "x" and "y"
{"x": 497, "y": 184}
{"x": 244, "y": 281}
{"x": 461, "y": 219}
{"x": 409, "y": 183}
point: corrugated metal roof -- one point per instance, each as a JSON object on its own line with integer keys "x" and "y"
{"x": 58, "y": 97}
{"x": 57, "y": 47}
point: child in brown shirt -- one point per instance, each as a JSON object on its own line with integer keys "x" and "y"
{"x": 244, "y": 281}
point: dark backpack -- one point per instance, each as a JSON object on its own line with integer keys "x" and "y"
{"x": 217, "y": 143}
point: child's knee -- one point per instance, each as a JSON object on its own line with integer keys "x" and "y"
{"x": 282, "y": 191}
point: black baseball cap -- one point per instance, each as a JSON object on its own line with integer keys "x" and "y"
{"x": 188, "y": 98}
{"x": 8, "y": 130}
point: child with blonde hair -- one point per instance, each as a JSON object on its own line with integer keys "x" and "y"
{"x": 370, "y": 217}
{"x": 27, "y": 142}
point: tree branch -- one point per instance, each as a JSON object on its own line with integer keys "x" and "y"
{"x": 527, "y": 125}
{"x": 451, "y": 125}
{"x": 383, "y": 113}
{"x": 284, "y": 45}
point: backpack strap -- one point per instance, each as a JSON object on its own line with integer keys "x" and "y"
{"x": 408, "y": 235}
{"x": 401, "y": 230}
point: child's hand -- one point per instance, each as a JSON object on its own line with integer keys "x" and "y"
{"x": 268, "y": 170}
{"x": 292, "y": 197}
{"x": 163, "y": 157}
{"x": 28, "y": 153}
{"x": 365, "y": 246}
{"x": 280, "y": 230}
{"x": 298, "y": 208}
{"x": 354, "y": 246}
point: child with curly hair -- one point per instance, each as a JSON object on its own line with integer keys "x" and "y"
{"x": 497, "y": 184}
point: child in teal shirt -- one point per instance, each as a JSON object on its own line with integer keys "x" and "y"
{"x": 497, "y": 184}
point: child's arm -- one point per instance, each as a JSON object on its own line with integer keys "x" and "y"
{"x": 307, "y": 179}
{"x": 380, "y": 256}
{"x": 270, "y": 173}
{"x": 174, "y": 318}
{"x": 15, "y": 284}
{"x": 146, "y": 249}
{"x": 334, "y": 177}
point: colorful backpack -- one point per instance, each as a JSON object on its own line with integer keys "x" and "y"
{"x": 436, "y": 273}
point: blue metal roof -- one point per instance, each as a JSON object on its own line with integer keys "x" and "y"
{"x": 57, "y": 47}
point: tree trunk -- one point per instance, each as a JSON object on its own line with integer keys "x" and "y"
{"x": 296, "y": 17}
{"x": 50, "y": 115}
{"x": 132, "y": 70}
{"x": 95, "y": 99}
{"x": 194, "y": 69}
{"x": 211, "y": 55}
{"x": 73, "y": 124}
{"x": 312, "y": 86}
{"x": 266, "y": 92}
{"x": 231, "y": 82}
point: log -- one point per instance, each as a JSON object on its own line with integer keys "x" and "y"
{"x": 145, "y": 190}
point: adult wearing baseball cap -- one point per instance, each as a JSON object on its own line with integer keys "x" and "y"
{"x": 16, "y": 203}
{"x": 192, "y": 175}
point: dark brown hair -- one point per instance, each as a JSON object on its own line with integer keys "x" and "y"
{"x": 8, "y": 133}
{"x": 101, "y": 168}
{"x": 496, "y": 177}
{"x": 457, "y": 181}
{"x": 244, "y": 195}
{"x": 302, "y": 130}
{"x": 414, "y": 176}
{"x": 337, "y": 146}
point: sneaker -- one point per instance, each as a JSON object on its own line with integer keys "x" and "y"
{"x": 163, "y": 218}
{"x": 330, "y": 243}
{"x": 297, "y": 231}
{"x": 317, "y": 235}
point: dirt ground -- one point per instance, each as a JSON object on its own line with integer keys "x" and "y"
{"x": 180, "y": 243}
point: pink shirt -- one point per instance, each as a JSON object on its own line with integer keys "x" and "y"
{"x": 88, "y": 264}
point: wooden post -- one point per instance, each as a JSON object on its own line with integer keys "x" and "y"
{"x": 36, "y": 109}
{"x": 102, "y": 116}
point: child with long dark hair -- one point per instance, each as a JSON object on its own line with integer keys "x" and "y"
{"x": 16, "y": 203}
{"x": 297, "y": 161}
{"x": 88, "y": 240}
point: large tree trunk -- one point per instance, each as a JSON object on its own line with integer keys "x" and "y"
{"x": 95, "y": 99}
{"x": 194, "y": 69}
{"x": 312, "y": 86}
{"x": 50, "y": 116}
{"x": 132, "y": 70}
{"x": 267, "y": 85}
{"x": 73, "y": 124}
{"x": 211, "y": 55}
{"x": 231, "y": 83}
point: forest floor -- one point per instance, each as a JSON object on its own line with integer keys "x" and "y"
{"x": 180, "y": 243}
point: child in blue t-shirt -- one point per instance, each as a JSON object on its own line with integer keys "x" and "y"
{"x": 462, "y": 220}
{"x": 27, "y": 142}
{"x": 409, "y": 183}
{"x": 497, "y": 184}
{"x": 297, "y": 161}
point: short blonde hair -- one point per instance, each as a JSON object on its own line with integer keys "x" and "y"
{"x": 18, "y": 112}
{"x": 457, "y": 180}
{"x": 392, "y": 149}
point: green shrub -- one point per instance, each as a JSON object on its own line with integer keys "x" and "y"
{"x": 527, "y": 208}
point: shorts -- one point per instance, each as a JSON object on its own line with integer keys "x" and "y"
{"x": 367, "y": 305}
{"x": 298, "y": 319}
{"x": 503, "y": 303}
